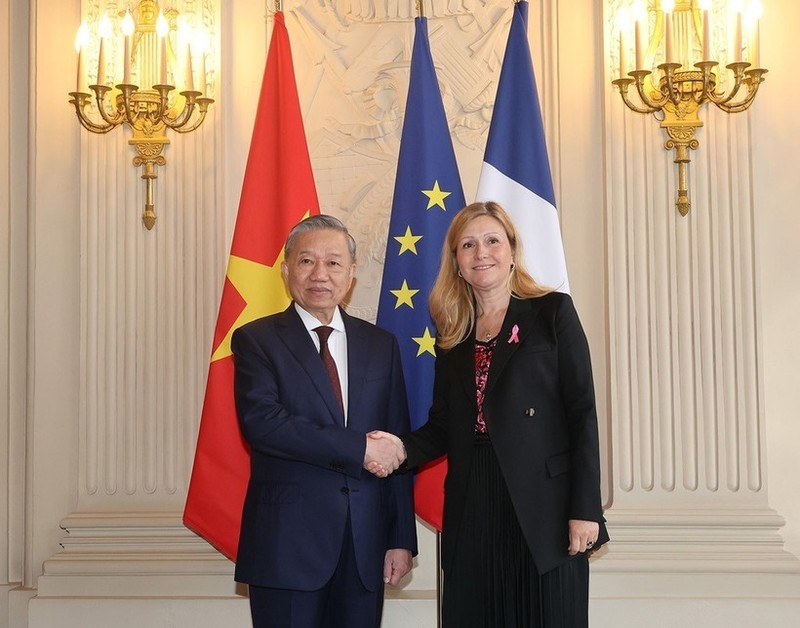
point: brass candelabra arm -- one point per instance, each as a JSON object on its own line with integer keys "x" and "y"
{"x": 753, "y": 78}
{"x": 649, "y": 100}
{"x": 623, "y": 84}
{"x": 709, "y": 81}
{"x": 175, "y": 122}
{"x": 202, "y": 105}
{"x": 125, "y": 101}
{"x": 100, "y": 92}
{"x": 720, "y": 99}
{"x": 158, "y": 114}
{"x": 667, "y": 83}
{"x": 80, "y": 100}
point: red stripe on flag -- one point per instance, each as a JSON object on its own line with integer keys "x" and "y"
{"x": 429, "y": 492}
{"x": 278, "y": 187}
{"x": 214, "y": 504}
{"x": 231, "y": 305}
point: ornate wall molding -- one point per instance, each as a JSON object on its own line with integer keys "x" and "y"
{"x": 684, "y": 357}
{"x": 149, "y": 303}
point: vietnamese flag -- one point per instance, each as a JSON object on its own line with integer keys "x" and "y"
{"x": 278, "y": 192}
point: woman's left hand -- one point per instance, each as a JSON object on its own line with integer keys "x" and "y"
{"x": 582, "y": 535}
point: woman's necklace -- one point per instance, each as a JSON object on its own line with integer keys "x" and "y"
{"x": 491, "y": 325}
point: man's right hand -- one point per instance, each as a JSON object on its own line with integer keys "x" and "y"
{"x": 384, "y": 454}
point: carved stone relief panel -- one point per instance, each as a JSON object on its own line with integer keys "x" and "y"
{"x": 352, "y": 61}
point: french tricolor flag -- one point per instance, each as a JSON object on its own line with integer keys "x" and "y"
{"x": 516, "y": 171}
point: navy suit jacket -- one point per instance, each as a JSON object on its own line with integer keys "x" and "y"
{"x": 540, "y": 413}
{"x": 306, "y": 470}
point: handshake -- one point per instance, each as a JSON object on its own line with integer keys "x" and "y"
{"x": 385, "y": 453}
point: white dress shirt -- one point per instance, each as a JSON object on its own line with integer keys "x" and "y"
{"x": 337, "y": 344}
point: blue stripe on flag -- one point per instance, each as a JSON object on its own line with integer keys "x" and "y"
{"x": 516, "y": 169}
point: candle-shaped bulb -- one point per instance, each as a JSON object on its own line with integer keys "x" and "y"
{"x": 201, "y": 46}
{"x": 127, "y": 31}
{"x": 737, "y": 7}
{"x": 640, "y": 19}
{"x": 81, "y": 39}
{"x": 82, "y": 36}
{"x": 162, "y": 28}
{"x": 128, "y": 24}
{"x": 622, "y": 26}
{"x": 755, "y": 10}
{"x": 668, "y": 6}
{"x": 104, "y": 30}
{"x": 705, "y": 7}
{"x": 753, "y": 14}
{"x": 185, "y": 39}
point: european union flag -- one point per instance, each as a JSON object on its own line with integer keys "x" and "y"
{"x": 427, "y": 194}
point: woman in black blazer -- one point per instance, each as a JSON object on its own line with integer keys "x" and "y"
{"x": 514, "y": 411}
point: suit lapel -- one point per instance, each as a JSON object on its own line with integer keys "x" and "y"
{"x": 296, "y": 338}
{"x": 462, "y": 357}
{"x": 517, "y": 324}
{"x": 357, "y": 360}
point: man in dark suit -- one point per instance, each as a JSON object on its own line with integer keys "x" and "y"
{"x": 320, "y": 535}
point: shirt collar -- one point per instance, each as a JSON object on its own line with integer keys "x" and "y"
{"x": 311, "y": 322}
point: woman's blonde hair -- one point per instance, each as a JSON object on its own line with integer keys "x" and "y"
{"x": 452, "y": 302}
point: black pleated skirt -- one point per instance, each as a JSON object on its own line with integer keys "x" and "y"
{"x": 493, "y": 581}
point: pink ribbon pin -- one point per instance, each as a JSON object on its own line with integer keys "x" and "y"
{"x": 514, "y": 335}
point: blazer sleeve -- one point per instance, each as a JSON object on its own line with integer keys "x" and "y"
{"x": 430, "y": 441}
{"x": 272, "y": 428}
{"x": 577, "y": 394}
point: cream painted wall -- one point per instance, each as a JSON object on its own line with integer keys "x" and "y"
{"x": 39, "y": 264}
{"x": 53, "y": 376}
{"x": 776, "y": 141}
{"x": 5, "y": 297}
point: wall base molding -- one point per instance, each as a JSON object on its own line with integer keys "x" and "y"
{"x": 135, "y": 555}
{"x": 719, "y": 569}
{"x": 130, "y": 570}
{"x": 716, "y": 569}
{"x": 664, "y": 541}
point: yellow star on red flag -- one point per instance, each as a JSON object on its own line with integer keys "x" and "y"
{"x": 262, "y": 289}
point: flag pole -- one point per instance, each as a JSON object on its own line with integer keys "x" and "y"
{"x": 427, "y": 174}
{"x": 421, "y": 13}
{"x": 439, "y": 580}
{"x": 439, "y": 575}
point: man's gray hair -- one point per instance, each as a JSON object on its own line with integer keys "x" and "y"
{"x": 314, "y": 223}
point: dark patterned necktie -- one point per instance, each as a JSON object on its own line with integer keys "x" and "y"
{"x": 327, "y": 359}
